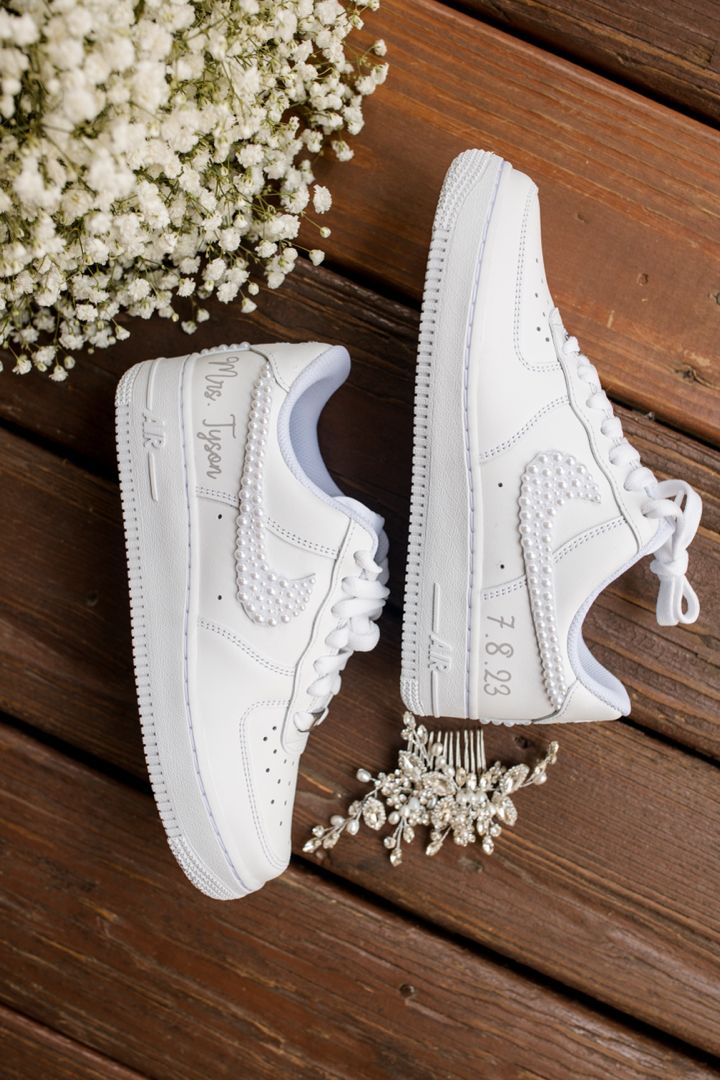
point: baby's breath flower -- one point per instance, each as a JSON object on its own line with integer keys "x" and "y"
{"x": 228, "y": 291}
{"x": 342, "y": 151}
{"x": 322, "y": 199}
{"x": 45, "y": 355}
{"x": 316, "y": 256}
{"x": 167, "y": 151}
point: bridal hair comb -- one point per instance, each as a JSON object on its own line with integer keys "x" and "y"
{"x": 441, "y": 781}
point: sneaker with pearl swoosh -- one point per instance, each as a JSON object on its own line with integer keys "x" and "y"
{"x": 252, "y": 581}
{"x": 527, "y": 499}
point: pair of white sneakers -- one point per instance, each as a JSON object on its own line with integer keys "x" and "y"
{"x": 253, "y": 578}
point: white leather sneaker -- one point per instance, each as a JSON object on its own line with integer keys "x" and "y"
{"x": 252, "y": 580}
{"x": 527, "y": 501}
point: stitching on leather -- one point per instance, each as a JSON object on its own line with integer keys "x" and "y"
{"x": 519, "y": 278}
{"x": 273, "y": 525}
{"x": 571, "y": 380}
{"x": 507, "y": 443}
{"x": 504, "y": 590}
{"x": 288, "y": 534}
{"x": 215, "y": 628}
{"x": 214, "y": 493}
{"x": 305, "y": 660}
{"x": 571, "y": 545}
{"x": 272, "y": 703}
{"x": 598, "y": 530}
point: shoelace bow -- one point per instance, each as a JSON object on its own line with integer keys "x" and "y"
{"x": 673, "y": 500}
{"x": 362, "y": 603}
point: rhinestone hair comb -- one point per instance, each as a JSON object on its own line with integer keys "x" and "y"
{"x": 441, "y": 781}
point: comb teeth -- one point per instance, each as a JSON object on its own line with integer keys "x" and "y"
{"x": 464, "y": 749}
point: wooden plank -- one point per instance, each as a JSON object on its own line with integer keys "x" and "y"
{"x": 598, "y": 868}
{"x": 660, "y": 46}
{"x": 301, "y": 979}
{"x": 672, "y": 674}
{"x": 632, "y": 239}
{"x": 29, "y": 1051}
{"x": 629, "y": 189}
{"x": 608, "y": 882}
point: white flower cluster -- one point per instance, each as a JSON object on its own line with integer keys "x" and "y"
{"x": 156, "y": 150}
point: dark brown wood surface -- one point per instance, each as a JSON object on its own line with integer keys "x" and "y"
{"x": 579, "y": 864}
{"x": 669, "y": 48}
{"x": 628, "y": 188}
{"x": 302, "y": 979}
{"x": 29, "y": 1049}
{"x": 588, "y": 945}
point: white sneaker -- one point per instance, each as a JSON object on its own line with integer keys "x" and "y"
{"x": 252, "y": 580}
{"x": 527, "y": 501}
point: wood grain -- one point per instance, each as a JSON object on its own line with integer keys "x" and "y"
{"x": 630, "y": 197}
{"x": 30, "y": 1052}
{"x": 606, "y": 884}
{"x": 629, "y": 191}
{"x": 662, "y": 47}
{"x": 366, "y": 432}
{"x": 615, "y": 861}
{"x": 302, "y": 979}
{"x": 116, "y": 967}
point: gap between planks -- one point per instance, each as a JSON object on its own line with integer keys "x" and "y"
{"x": 584, "y": 876}
{"x": 631, "y": 238}
{"x": 98, "y": 906}
{"x": 649, "y": 48}
{"x": 30, "y": 1051}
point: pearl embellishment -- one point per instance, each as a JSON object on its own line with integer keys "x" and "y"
{"x": 550, "y": 480}
{"x": 267, "y": 597}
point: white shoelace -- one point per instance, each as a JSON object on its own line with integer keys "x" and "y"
{"x": 364, "y": 596}
{"x": 674, "y": 500}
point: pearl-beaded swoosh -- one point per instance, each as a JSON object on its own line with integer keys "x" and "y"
{"x": 550, "y": 480}
{"x": 267, "y": 597}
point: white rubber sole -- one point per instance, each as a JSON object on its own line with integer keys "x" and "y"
{"x": 154, "y": 484}
{"x": 444, "y": 543}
